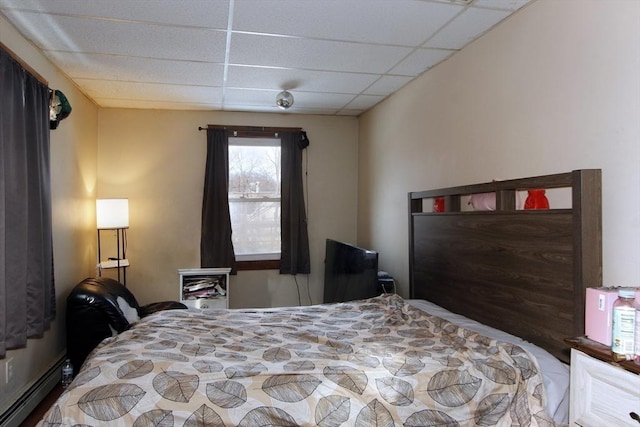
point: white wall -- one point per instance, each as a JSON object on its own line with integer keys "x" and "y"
{"x": 157, "y": 160}
{"x": 556, "y": 87}
{"x": 73, "y": 181}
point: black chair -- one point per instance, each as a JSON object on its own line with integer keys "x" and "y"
{"x": 94, "y": 313}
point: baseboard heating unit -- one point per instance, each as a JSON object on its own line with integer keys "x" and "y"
{"x": 39, "y": 389}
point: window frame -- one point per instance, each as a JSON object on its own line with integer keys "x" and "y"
{"x": 270, "y": 141}
{"x": 255, "y": 132}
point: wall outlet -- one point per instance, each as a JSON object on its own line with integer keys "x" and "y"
{"x": 8, "y": 373}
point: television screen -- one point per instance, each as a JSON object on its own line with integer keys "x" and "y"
{"x": 350, "y": 272}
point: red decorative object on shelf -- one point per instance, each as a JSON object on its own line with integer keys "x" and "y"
{"x": 438, "y": 204}
{"x": 536, "y": 200}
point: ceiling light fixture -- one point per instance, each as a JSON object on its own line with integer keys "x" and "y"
{"x": 284, "y": 100}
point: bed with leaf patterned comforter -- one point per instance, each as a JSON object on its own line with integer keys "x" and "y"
{"x": 376, "y": 362}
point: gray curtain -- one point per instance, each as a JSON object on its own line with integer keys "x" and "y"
{"x": 294, "y": 257}
{"x": 216, "y": 247}
{"x": 27, "y": 293}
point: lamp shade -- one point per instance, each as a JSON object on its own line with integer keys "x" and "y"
{"x": 112, "y": 213}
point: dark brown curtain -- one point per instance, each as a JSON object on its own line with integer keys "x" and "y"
{"x": 27, "y": 293}
{"x": 294, "y": 257}
{"x": 216, "y": 247}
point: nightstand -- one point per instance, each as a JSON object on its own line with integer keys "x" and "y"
{"x": 204, "y": 288}
{"x": 603, "y": 392}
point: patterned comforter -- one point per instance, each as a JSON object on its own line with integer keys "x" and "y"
{"x": 377, "y": 362}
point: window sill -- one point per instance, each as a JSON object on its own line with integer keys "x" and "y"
{"x": 264, "y": 264}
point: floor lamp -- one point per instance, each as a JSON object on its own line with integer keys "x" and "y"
{"x": 113, "y": 214}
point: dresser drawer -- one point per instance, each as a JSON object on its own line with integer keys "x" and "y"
{"x": 602, "y": 394}
{"x": 207, "y": 303}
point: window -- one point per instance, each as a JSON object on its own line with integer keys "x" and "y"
{"x": 254, "y": 197}
{"x": 267, "y": 219}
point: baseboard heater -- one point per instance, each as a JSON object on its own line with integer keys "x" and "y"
{"x": 35, "y": 394}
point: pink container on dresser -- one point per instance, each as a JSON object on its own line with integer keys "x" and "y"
{"x": 598, "y": 313}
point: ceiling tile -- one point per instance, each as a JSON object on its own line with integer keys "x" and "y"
{"x": 199, "y": 13}
{"x": 157, "y": 105}
{"x": 150, "y": 92}
{"x": 421, "y": 60}
{"x": 466, "y": 27}
{"x": 349, "y": 112}
{"x": 250, "y": 97}
{"x": 364, "y": 102}
{"x": 267, "y": 98}
{"x": 133, "y": 69}
{"x": 324, "y": 111}
{"x": 387, "y": 85}
{"x": 54, "y": 32}
{"x": 511, "y": 5}
{"x": 322, "y": 100}
{"x": 302, "y": 80}
{"x": 397, "y": 22}
{"x": 309, "y": 54}
{"x": 256, "y": 108}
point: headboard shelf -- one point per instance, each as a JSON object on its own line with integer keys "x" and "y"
{"x": 559, "y": 180}
{"x": 505, "y": 190}
{"x": 524, "y": 272}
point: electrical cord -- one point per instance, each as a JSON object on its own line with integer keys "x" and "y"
{"x": 295, "y": 278}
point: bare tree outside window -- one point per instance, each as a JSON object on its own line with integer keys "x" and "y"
{"x": 254, "y": 195}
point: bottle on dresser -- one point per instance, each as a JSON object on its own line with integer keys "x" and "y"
{"x": 624, "y": 324}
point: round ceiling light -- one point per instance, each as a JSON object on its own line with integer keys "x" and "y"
{"x": 284, "y": 100}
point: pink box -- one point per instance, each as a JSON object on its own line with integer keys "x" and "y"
{"x": 598, "y": 313}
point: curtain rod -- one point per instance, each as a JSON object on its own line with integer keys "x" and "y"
{"x": 24, "y": 65}
{"x": 251, "y": 129}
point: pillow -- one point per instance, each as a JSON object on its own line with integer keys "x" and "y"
{"x": 483, "y": 201}
{"x": 487, "y": 201}
{"x": 130, "y": 313}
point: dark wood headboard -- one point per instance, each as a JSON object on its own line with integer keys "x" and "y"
{"x": 521, "y": 271}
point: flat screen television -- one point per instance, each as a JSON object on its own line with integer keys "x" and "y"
{"x": 350, "y": 272}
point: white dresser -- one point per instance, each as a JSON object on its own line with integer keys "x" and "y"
{"x": 602, "y": 394}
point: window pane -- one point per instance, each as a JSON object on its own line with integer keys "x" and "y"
{"x": 254, "y": 196}
{"x": 256, "y": 227}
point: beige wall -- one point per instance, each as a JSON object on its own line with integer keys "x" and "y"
{"x": 73, "y": 182}
{"x": 554, "y": 88}
{"x": 157, "y": 159}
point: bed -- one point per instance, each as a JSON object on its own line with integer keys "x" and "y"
{"x": 522, "y": 271}
{"x": 384, "y": 361}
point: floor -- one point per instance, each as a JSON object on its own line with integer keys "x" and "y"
{"x": 42, "y": 408}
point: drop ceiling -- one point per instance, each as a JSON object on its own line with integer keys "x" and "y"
{"x": 337, "y": 57}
